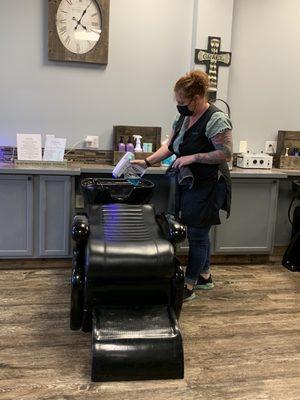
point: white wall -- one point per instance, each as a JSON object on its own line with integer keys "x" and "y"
{"x": 214, "y": 18}
{"x": 264, "y": 77}
{"x": 151, "y": 44}
{"x": 149, "y": 48}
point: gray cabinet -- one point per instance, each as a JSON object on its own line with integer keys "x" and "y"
{"x": 251, "y": 226}
{"x": 16, "y": 216}
{"x": 35, "y": 216}
{"x": 54, "y": 216}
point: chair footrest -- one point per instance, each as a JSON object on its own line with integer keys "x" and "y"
{"x": 136, "y": 343}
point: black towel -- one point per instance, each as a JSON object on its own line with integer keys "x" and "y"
{"x": 184, "y": 175}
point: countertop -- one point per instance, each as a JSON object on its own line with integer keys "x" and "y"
{"x": 6, "y": 168}
{"x": 78, "y": 169}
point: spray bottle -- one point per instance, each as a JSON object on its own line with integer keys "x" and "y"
{"x": 138, "y": 146}
{"x": 131, "y": 172}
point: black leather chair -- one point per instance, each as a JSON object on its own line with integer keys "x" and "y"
{"x": 291, "y": 257}
{"x": 127, "y": 284}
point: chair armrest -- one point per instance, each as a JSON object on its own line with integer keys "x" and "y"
{"x": 80, "y": 228}
{"x": 173, "y": 230}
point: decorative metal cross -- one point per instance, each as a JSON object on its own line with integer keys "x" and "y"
{"x": 213, "y": 58}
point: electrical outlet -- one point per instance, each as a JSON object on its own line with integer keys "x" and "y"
{"x": 270, "y": 146}
{"x": 92, "y": 142}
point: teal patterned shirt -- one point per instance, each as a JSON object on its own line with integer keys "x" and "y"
{"x": 218, "y": 123}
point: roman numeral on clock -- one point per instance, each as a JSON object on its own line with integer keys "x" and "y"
{"x": 63, "y": 30}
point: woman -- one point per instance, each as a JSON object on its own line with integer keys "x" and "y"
{"x": 202, "y": 141}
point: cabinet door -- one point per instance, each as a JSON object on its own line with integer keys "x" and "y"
{"x": 54, "y": 215}
{"x": 16, "y": 216}
{"x": 251, "y": 226}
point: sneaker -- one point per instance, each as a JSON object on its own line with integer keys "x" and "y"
{"x": 204, "y": 284}
{"x": 188, "y": 294}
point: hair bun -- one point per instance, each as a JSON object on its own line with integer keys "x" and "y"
{"x": 195, "y": 82}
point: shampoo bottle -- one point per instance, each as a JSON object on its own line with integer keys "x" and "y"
{"x": 121, "y": 145}
{"x": 129, "y": 145}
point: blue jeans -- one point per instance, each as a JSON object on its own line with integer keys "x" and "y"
{"x": 199, "y": 245}
{"x": 199, "y": 253}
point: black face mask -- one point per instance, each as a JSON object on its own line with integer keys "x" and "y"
{"x": 184, "y": 110}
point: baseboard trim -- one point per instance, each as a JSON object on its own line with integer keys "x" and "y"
{"x": 38, "y": 263}
{"x": 251, "y": 259}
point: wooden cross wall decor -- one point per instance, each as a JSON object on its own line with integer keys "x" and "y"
{"x": 213, "y": 58}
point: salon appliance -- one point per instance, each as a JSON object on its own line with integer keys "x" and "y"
{"x": 254, "y": 160}
{"x": 127, "y": 284}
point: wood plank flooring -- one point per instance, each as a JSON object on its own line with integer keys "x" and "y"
{"x": 241, "y": 340}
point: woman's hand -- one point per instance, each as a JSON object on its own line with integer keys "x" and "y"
{"x": 182, "y": 161}
{"x": 141, "y": 163}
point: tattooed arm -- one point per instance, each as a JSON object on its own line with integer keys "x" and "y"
{"x": 223, "y": 144}
{"x": 223, "y": 152}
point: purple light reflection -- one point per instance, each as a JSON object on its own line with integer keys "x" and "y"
{"x": 111, "y": 218}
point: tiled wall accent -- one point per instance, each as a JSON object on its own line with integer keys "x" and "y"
{"x": 90, "y": 156}
{"x": 7, "y": 154}
{"x": 79, "y": 156}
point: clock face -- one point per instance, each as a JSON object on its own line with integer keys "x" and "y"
{"x": 78, "y": 24}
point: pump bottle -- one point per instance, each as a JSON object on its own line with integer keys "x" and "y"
{"x": 138, "y": 146}
{"x": 129, "y": 145}
{"x": 121, "y": 145}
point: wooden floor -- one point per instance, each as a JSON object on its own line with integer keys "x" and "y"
{"x": 241, "y": 340}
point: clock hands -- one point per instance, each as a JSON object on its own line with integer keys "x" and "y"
{"x": 85, "y": 28}
{"x": 88, "y": 30}
{"x": 78, "y": 23}
{"x": 82, "y": 15}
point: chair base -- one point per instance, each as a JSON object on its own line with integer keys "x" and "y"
{"x": 136, "y": 343}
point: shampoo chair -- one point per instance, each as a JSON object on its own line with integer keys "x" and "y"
{"x": 127, "y": 284}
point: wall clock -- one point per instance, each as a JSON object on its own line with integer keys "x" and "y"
{"x": 78, "y": 30}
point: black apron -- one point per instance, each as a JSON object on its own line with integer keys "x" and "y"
{"x": 199, "y": 206}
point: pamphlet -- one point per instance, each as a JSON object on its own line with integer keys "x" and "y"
{"x": 29, "y": 147}
{"x": 54, "y": 148}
